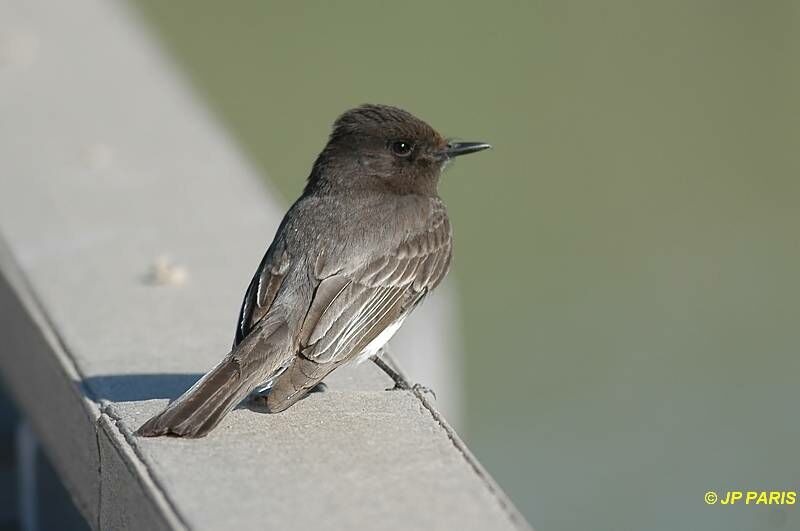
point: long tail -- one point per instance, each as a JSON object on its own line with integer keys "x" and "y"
{"x": 207, "y": 402}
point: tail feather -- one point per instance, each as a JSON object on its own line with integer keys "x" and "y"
{"x": 206, "y": 403}
{"x": 202, "y": 407}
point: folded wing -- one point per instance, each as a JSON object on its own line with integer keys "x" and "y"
{"x": 350, "y": 309}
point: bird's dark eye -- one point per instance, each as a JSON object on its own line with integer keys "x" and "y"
{"x": 401, "y": 148}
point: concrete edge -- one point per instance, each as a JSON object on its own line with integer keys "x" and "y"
{"x": 110, "y": 430}
{"x": 499, "y": 495}
{"x": 98, "y": 425}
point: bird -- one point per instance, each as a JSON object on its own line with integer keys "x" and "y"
{"x": 366, "y": 242}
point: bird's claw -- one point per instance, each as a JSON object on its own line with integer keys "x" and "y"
{"x": 257, "y": 401}
{"x": 399, "y": 386}
{"x": 418, "y": 388}
{"x": 421, "y": 389}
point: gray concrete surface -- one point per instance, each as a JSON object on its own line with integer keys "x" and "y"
{"x": 107, "y": 164}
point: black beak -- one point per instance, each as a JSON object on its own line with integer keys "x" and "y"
{"x": 454, "y": 149}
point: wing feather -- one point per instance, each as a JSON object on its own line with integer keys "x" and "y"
{"x": 262, "y": 290}
{"x": 376, "y": 295}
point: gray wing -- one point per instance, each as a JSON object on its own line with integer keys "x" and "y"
{"x": 262, "y": 290}
{"x": 350, "y": 309}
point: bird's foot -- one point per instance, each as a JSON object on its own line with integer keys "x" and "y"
{"x": 258, "y": 399}
{"x": 257, "y": 402}
{"x": 421, "y": 389}
{"x": 403, "y": 385}
{"x": 400, "y": 385}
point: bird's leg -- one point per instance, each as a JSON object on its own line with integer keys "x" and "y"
{"x": 400, "y": 381}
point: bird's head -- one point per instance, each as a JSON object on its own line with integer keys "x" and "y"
{"x": 383, "y": 147}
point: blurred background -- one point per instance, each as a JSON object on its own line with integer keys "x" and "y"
{"x": 626, "y": 258}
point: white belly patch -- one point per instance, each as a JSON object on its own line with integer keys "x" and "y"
{"x": 375, "y": 345}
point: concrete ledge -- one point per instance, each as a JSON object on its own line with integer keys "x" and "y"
{"x": 106, "y": 163}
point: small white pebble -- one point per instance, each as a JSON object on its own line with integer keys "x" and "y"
{"x": 98, "y": 156}
{"x": 164, "y": 273}
{"x": 18, "y": 48}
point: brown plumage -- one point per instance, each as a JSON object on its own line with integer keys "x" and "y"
{"x": 365, "y": 243}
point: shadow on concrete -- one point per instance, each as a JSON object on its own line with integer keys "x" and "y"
{"x": 135, "y": 387}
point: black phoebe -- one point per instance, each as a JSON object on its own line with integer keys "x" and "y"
{"x": 365, "y": 243}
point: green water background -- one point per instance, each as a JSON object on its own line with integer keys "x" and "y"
{"x": 628, "y": 254}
